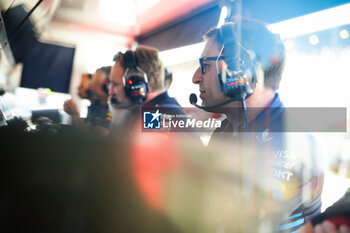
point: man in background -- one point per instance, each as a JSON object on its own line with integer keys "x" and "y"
{"x": 144, "y": 67}
{"x": 98, "y": 117}
{"x": 84, "y": 86}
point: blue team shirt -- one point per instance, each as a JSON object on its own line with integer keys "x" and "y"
{"x": 288, "y": 164}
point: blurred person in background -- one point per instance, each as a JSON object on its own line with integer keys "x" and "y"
{"x": 84, "y": 86}
{"x": 98, "y": 117}
{"x": 84, "y": 92}
{"x": 239, "y": 75}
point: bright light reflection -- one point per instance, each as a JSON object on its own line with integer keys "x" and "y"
{"x": 143, "y": 6}
{"x": 344, "y": 34}
{"x": 289, "y": 44}
{"x": 182, "y": 54}
{"x": 313, "y": 40}
{"x": 112, "y": 10}
{"x": 318, "y": 21}
{"x": 223, "y": 16}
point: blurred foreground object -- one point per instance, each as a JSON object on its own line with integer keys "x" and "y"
{"x": 70, "y": 183}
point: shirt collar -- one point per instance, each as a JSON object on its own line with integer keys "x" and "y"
{"x": 159, "y": 98}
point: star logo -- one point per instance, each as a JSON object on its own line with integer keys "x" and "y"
{"x": 151, "y": 120}
{"x": 155, "y": 115}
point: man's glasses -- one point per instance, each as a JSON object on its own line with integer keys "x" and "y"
{"x": 203, "y": 59}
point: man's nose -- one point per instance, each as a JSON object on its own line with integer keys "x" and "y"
{"x": 110, "y": 89}
{"x": 197, "y": 76}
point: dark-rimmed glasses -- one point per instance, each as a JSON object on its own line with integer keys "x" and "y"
{"x": 203, "y": 59}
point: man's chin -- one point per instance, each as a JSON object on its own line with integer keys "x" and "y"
{"x": 213, "y": 110}
{"x": 220, "y": 109}
{"x": 117, "y": 104}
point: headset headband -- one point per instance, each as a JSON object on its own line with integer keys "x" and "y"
{"x": 130, "y": 60}
{"x": 228, "y": 38}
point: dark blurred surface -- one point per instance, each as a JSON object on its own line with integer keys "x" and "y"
{"x": 52, "y": 114}
{"x": 70, "y": 183}
{"x": 22, "y": 40}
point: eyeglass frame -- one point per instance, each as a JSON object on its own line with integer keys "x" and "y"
{"x": 202, "y": 59}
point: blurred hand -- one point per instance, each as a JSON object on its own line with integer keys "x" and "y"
{"x": 325, "y": 227}
{"x": 71, "y": 108}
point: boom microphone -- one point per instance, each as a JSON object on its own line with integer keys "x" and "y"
{"x": 193, "y": 101}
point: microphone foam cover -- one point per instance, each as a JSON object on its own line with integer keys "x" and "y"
{"x": 193, "y": 98}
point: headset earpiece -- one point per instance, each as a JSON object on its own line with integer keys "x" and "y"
{"x": 236, "y": 75}
{"x": 136, "y": 85}
{"x": 136, "y": 89}
{"x": 105, "y": 85}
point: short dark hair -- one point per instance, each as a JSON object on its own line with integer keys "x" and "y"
{"x": 106, "y": 70}
{"x": 148, "y": 60}
{"x": 254, "y": 36}
{"x": 168, "y": 78}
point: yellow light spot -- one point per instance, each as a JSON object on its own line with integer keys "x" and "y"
{"x": 344, "y": 34}
{"x": 313, "y": 40}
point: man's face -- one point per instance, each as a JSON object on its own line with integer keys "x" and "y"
{"x": 208, "y": 80}
{"x": 116, "y": 89}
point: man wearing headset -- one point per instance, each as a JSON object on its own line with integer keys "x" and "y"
{"x": 138, "y": 80}
{"x": 239, "y": 74}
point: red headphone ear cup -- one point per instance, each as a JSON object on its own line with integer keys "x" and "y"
{"x": 105, "y": 86}
{"x": 136, "y": 89}
{"x": 245, "y": 85}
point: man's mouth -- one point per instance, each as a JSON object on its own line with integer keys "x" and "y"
{"x": 202, "y": 94}
{"x": 111, "y": 97}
